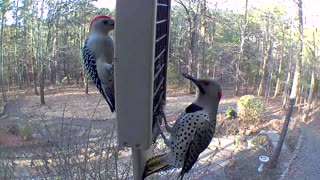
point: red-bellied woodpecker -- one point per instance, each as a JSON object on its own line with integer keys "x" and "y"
{"x": 192, "y": 132}
{"x": 98, "y": 56}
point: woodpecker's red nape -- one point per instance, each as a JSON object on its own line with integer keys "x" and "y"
{"x": 97, "y": 18}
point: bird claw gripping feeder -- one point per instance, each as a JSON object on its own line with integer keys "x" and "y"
{"x": 141, "y": 52}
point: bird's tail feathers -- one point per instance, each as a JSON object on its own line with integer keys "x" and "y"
{"x": 156, "y": 164}
{"x": 109, "y": 97}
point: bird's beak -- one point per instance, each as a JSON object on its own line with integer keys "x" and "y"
{"x": 191, "y": 78}
{"x": 195, "y": 81}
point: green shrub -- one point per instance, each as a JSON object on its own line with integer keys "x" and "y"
{"x": 25, "y": 132}
{"x": 250, "y": 109}
{"x": 259, "y": 140}
{"x": 230, "y": 113}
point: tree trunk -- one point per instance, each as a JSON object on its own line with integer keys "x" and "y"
{"x": 312, "y": 82}
{"x": 190, "y": 64}
{"x": 212, "y": 44}
{"x": 278, "y": 84}
{"x": 41, "y": 83}
{"x": 240, "y": 56}
{"x": 193, "y": 21}
{"x": 41, "y": 59}
{"x": 269, "y": 85}
{"x": 285, "y": 100}
{"x": 33, "y": 61}
{"x": 194, "y": 50}
{"x": 52, "y": 72}
{"x": 17, "y": 68}
{"x": 86, "y": 84}
{"x": 58, "y": 73}
{"x": 293, "y": 94}
{"x": 201, "y": 60}
{"x": 266, "y": 60}
{"x": 315, "y": 101}
{"x": 299, "y": 98}
{"x": 34, "y": 73}
{"x": 264, "y": 75}
{"x": 4, "y": 96}
{"x": 214, "y": 71}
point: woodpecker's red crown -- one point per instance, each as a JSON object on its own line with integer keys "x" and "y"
{"x": 97, "y": 18}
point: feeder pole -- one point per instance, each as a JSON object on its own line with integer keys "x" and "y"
{"x": 141, "y": 58}
{"x": 135, "y": 29}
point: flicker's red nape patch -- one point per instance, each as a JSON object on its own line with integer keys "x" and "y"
{"x": 219, "y": 95}
{"x": 97, "y": 18}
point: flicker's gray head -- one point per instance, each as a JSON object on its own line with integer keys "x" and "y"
{"x": 101, "y": 23}
{"x": 210, "y": 91}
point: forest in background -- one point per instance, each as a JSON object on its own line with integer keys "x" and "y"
{"x": 255, "y": 51}
{"x": 264, "y": 51}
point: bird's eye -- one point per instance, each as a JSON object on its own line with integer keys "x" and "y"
{"x": 105, "y": 22}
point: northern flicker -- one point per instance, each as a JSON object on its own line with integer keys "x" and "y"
{"x": 192, "y": 132}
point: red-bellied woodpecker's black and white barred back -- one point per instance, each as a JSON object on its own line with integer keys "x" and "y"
{"x": 91, "y": 67}
{"x": 98, "y": 56}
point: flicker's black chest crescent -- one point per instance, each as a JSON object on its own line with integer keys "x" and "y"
{"x": 193, "y": 133}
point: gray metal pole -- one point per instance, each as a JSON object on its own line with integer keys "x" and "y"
{"x": 135, "y": 32}
{"x": 139, "y": 159}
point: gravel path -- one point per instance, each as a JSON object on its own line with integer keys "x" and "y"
{"x": 307, "y": 164}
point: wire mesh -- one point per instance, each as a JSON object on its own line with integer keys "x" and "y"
{"x": 160, "y": 61}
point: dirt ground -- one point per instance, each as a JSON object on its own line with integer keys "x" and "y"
{"x": 70, "y": 106}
